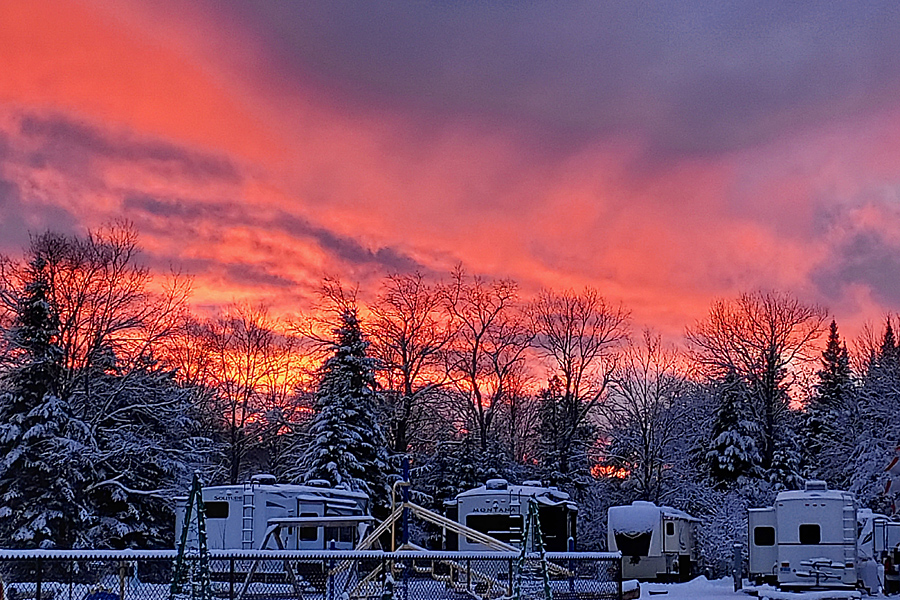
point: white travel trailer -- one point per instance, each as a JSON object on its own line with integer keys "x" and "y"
{"x": 305, "y": 517}
{"x": 656, "y": 542}
{"x": 808, "y": 539}
{"x": 500, "y": 509}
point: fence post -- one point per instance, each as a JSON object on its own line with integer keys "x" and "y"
{"x": 121, "y": 580}
{"x": 618, "y": 572}
{"x": 38, "y": 575}
{"x": 330, "y": 574}
{"x": 407, "y": 567}
{"x": 736, "y": 567}
{"x": 571, "y": 548}
{"x": 231, "y": 578}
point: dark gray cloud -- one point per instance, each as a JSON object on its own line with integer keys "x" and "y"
{"x": 4, "y": 145}
{"x": 692, "y": 77}
{"x": 72, "y": 146}
{"x": 9, "y": 195}
{"x": 258, "y": 275}
{"x": 21, "y": 217}
{"x": 865, "y": 257}
{"x": 343, "y": 248}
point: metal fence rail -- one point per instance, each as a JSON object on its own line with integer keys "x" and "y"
{"x": 280, "y": 575}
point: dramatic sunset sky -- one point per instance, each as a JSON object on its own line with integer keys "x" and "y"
{"x": 666, "y": 153}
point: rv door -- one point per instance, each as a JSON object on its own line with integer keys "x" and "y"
{"x": 762, "y": 549}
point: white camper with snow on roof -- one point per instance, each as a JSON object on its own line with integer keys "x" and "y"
{"x": 656, "y": 542}
{"x": 809, "y": 538}
{"x": 499, "y": 509}
{"x": 303, "y": 517}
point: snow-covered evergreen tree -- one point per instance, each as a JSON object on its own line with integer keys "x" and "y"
{"x": 784, "y": 470}
{"x": 875, "y": 431}
{"x": 41, "y": 471}
{"x": 347, "y": 446}
{"x": 826, "y": 425}
{"x": 146, "y": 448}
{"x": 95, "y": 437}
{"x": 735, "y": 452}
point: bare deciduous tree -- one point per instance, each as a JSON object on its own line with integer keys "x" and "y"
{"x": 488, "y": 348}
{"x": 577, "y": 335}
{"x": 253, "y": 372}
{"x": 408, "y": 333}
{"x": 642, "y": 416}
{"x": 764, "y": 338}
{"x": 106, "y": 308}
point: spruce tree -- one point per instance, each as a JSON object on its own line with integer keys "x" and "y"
{"x": 875, "y": 432}
{"x": 41, "y": 443}
{"x": 347, "y": 446}
{"x": 826, "y": 416}
{"x": 735, "y": 452}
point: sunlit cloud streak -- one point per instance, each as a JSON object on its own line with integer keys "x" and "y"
{"x": 664, "y": 152}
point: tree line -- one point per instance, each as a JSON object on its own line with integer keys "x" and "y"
{"x": 112, "y": 393}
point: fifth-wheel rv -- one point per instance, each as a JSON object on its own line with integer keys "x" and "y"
{"x": 500, "y": 510}
{"x": 656, "y": 542}
{"x": 813, "y": 537}
{"x": 303, "y": 517}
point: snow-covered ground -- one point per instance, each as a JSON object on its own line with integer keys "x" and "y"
{"x": 699, "y": 588}
{"x": 723, "y": 589}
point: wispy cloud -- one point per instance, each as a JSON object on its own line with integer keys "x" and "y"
{"x": 666, "y": 152}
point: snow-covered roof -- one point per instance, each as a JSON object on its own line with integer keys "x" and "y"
{"x": 813, "y": 488}
{"x": 806, "y": 495}
{"x": 641, "y": 516}
{"x": 310, "y": 491}
{"x": 549, "y": 496}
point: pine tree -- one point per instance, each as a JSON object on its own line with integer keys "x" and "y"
{"x": 347, "y": 445}
{"x": 784, "y": 471}
{"x": 41, "y": 473}
{"x": 734, "y": 452}
{"x": 875, "y": 430}
{"x": 147, "y": 436}
{"x": 826, "y": 418}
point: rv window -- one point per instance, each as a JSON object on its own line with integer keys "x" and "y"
{"x": 503, "y": 527}
{"x": 339, "y": 534}
{"x": 308, "y": 534}
{"x": 810, "y": 534}
{"x": 763, "y": 536}
{"x": 633, "y": 545}
{"x": 670, "y": 528}
{"x": 216, "y": 510}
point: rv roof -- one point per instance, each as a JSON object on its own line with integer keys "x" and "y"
{"x": 290, "y": 488}
{"x": 554, "y": 495}
{"x": 806, "y": 495}
{"x": 642, "y": 516}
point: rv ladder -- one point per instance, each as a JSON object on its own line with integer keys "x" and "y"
{"x": 247, "y": 519}
{"x": 850, "y": 534}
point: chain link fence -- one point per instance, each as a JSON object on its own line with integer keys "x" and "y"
{"x": 337, "y": 575}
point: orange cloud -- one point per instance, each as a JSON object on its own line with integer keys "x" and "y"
{"x": 260, "y": 179}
